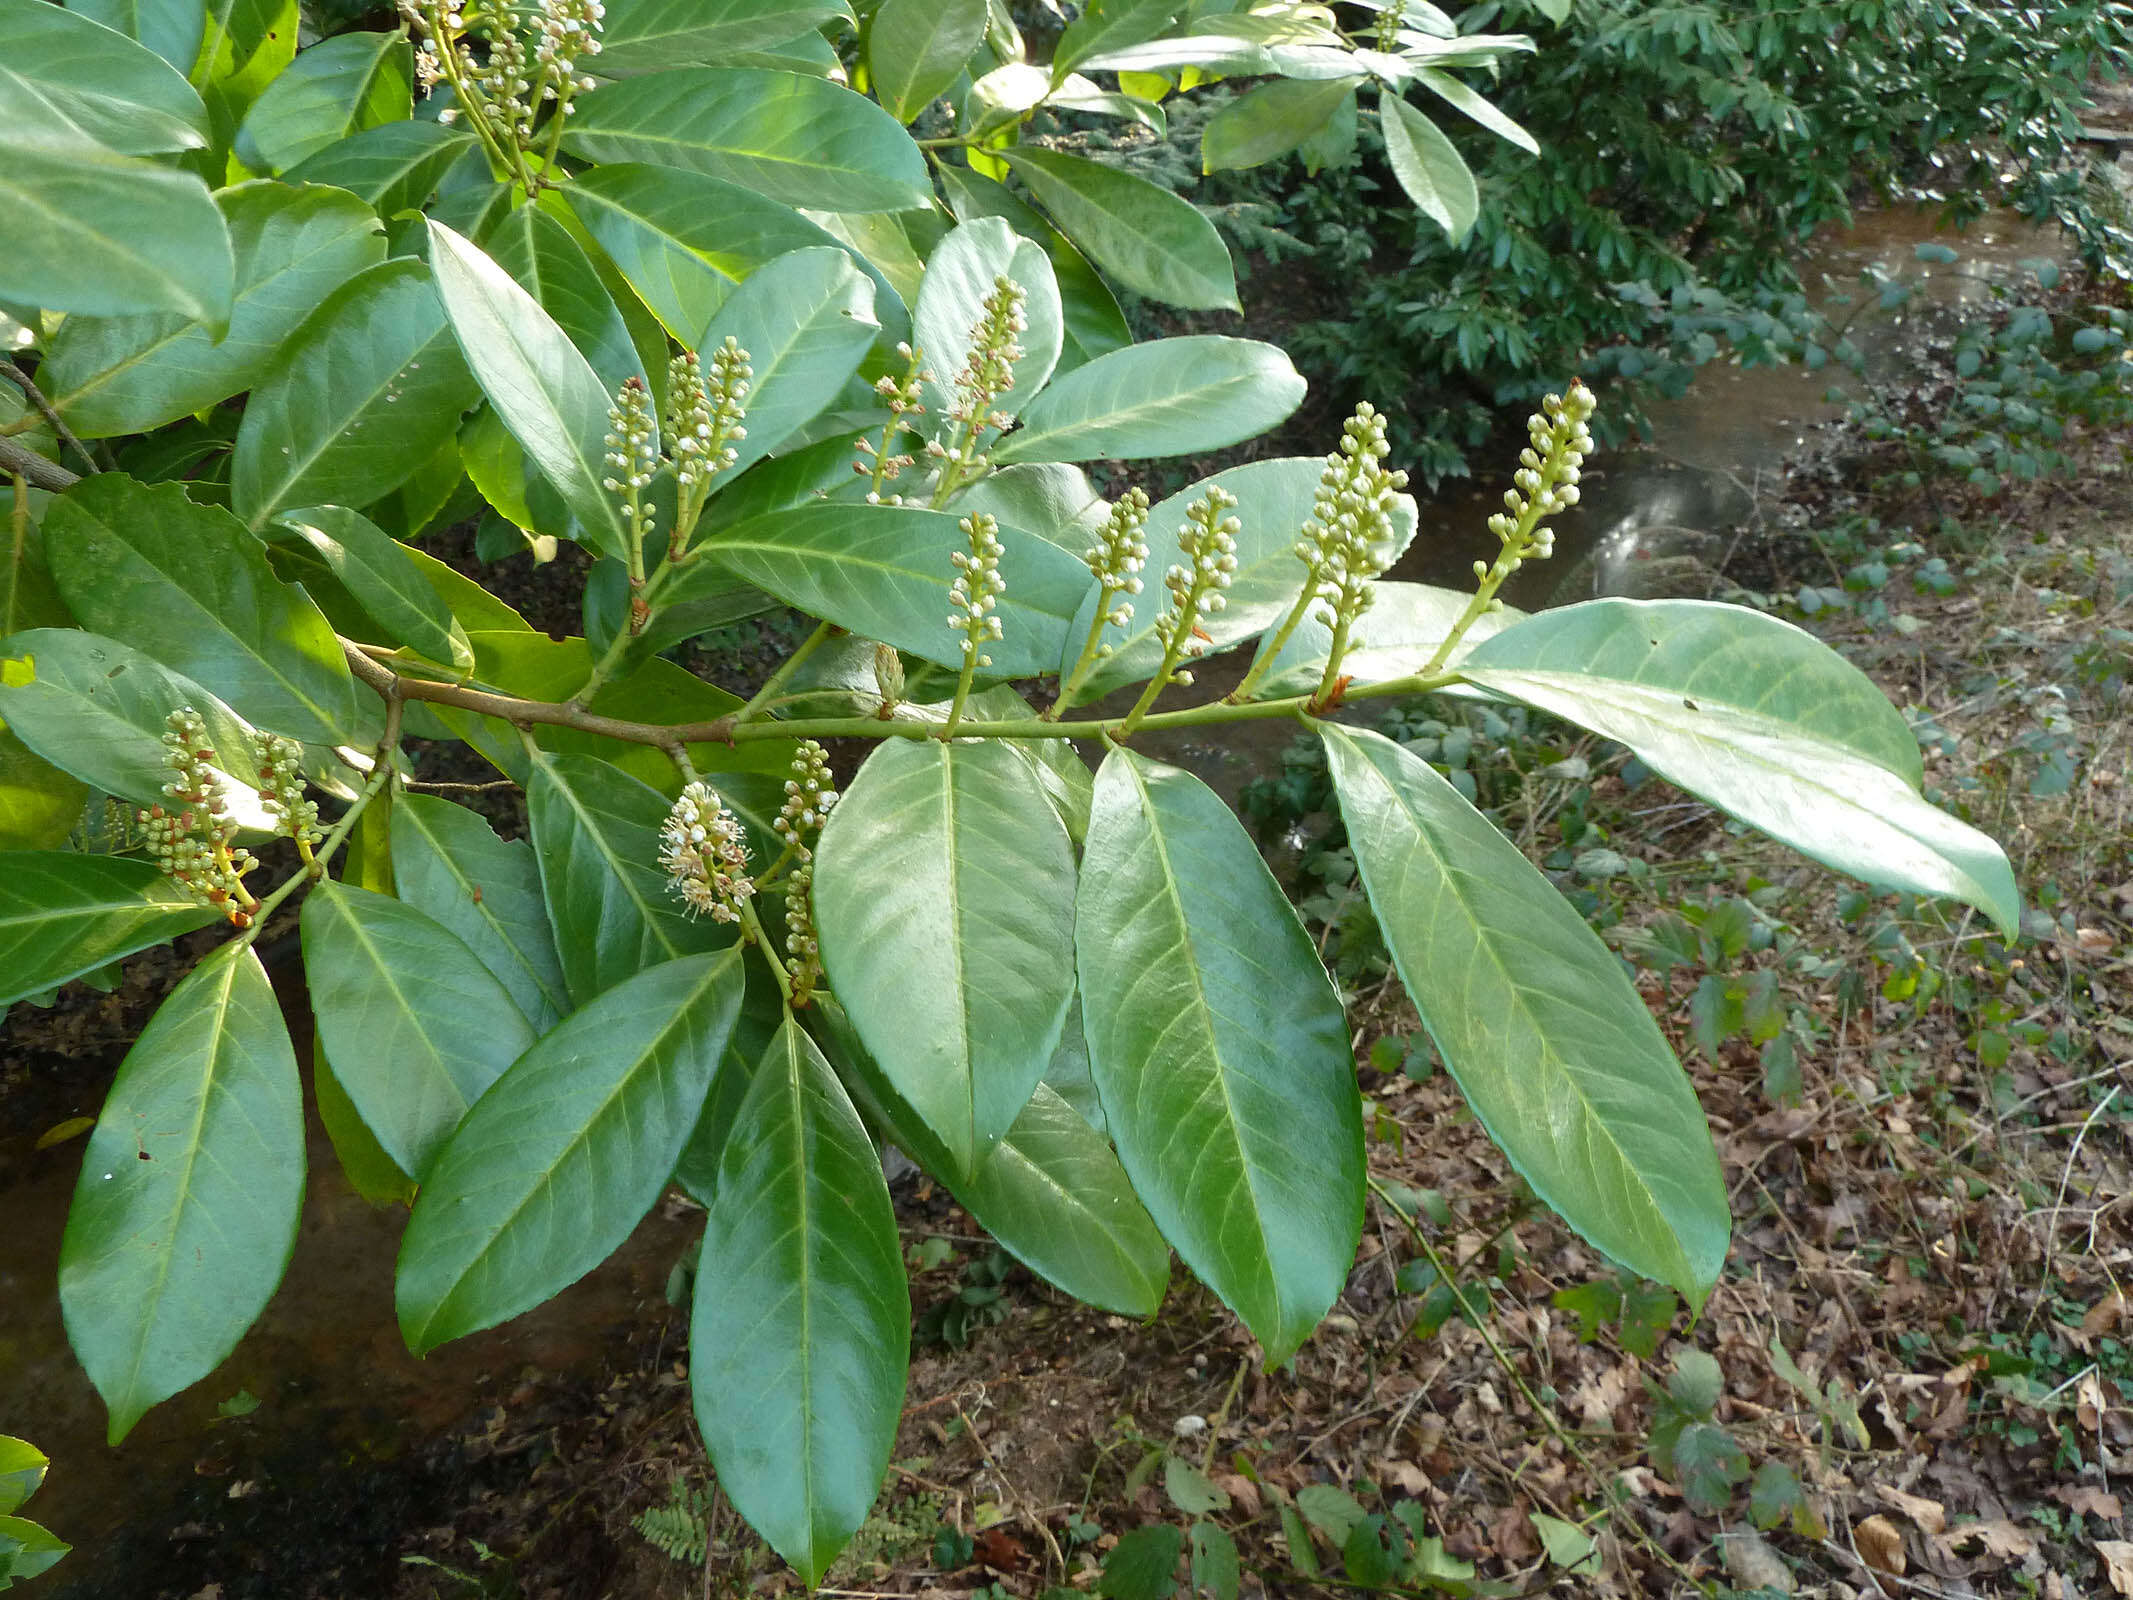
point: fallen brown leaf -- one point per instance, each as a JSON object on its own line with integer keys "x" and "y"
{"x": 2089, "y": 1499}
{"x": 1752, "y": 1563}
{"x": 2117, "y": 1563}
{"x": 1880, "y": 1544}
{"x": 1930, "y": 1515}
{"x": 2001, "y": 1539}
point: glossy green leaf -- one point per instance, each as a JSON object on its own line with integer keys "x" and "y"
{"x": 28, "y": 1550}
{"x": 394, "y": 167}
{"x": 683, "y": 240}
{"x": 1144, "y": 236}
{"x": 1168, "y": 397}
{"x": 883, "y": 572}
{"x": 944, "y": 891}
{"x": 802, "y": 140}
{"x": 171, "y": 28}
{"x": 385, "y": 583}
{"x": 369, "y": 1170}
{"x": 596, "y": 835}
{"x": 656, "y": 35}
{"x": 449, "y": 864}
{"x": 762, "y": 1013}
{"x": 1547, "y": 1037}
{"x": 63, "y": 914}
{"x": 801, "y": 1328}
{"x": 338, "y": 87}
{"x": 245, "y": 45}
{"x": 188, "y": 585}
{"x": 806, "y": 320}
{"x": 1053, "y": 1194}
{"x": 472, "y": 605}
{"x": 1453, "y": 92}
{"x": 1094, "y": 323}
{"x": 1761, "y": 719}
{"x": 39, "y": 804}
{"x": 1270, "y": 121}
{"x": 28, "y": 598}
{"x": 1396, "y": 638}
{"x": 1274, "y": 500}
{"x": 1428, "y": 167}
{"x": 185, "y": 1213}
{"x": 566, "y": 1152}
{"x": 545, "y": 391}
{"x": 106, "y": 235}
{"x": 537, "y": 249}
{"x": 963, "y": 269}
{"x": 415, "y": 1026}
{"x": 356, "y": 400}
{"x": 98, "y": 710}
{"x": 1111, "y": 25}
{"x": 66, "y": 79}
{"x": 916, "y": 49}
{"x": 22, "y": 1469}
{"x": 293, "y": 247}
{"x": 1220, "y": 1049}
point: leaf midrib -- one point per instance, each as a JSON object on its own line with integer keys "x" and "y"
{"x": 1518, "y": 994}
{"x": 1205, "y": 1009}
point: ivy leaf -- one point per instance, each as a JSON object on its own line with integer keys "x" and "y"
{"x": 916, "y": 49}
{"x": 801, "y": 1328}
{"x": 944, "y": 888}
{"x": 105, "y": 235}
{"x": 68, "y": 80}
{"x": 1219, "y": 1048}
{"x": 883, "y": 572}
{"x": 596, "y": 834}
{"x": 1168, "y": 397}
{"x": 546, "y": 393}
{"x": 185, "y": 1213}
{"x": 292, "y": 247}
{"x": 801, "y": 139}
{"x": 1147, "y": 238}
{"x": 186, "y": 584}
{"x": 566, "y": 1152}
{"x": 1549, "y": 1041}
{"x": 64, "y": 914}
{"x": 1429, "y": 167}
{"x": 1761, "y": 719}
{"x": 414, "y": 1025}
{"x": 355, "y": 401}
{"x": 449, "y": 864}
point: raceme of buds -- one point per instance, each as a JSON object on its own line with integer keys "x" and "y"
{"x": 977, "y": 586}
{"x": 703, "y": 419}
{"x": 988, "y": 373}
{"x": 281, "y": 788}
{"x": 809, "y": 794}
{"x": 803, "y": 952}
{"x": 1209, "y": 543}
{"x": 888, "y": 677}
{"x": 1349, "y": 535}
{"x": 190, "y": 838}
{"x": 1547, "y": 477}
{"x": 1121, "y": 551}
{"x": 569, "y": 30}
{"x": 901, "y": 396}
{"x": 705, "y": 853}
{"x": 632, "y": 446}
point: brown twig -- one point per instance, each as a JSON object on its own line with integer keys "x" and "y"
{"x": 34, "y": 468}
{"x": 30, "y": 392}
